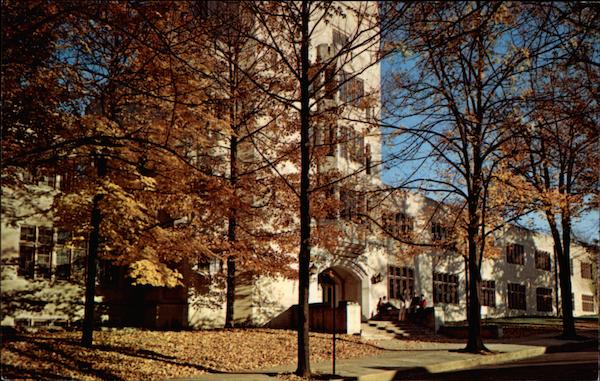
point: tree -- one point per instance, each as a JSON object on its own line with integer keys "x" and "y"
{"x": 123, "y": 128}
{"x": 287, "y": 31}
{"x": 255, "y": 217}
{"x": 557, "y": 154}
{"x": 451, "y": 106}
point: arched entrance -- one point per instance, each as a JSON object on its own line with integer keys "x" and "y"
{"x": 348, "y": 286}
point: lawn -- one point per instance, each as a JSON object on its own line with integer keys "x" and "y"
{"x": 129, "y": 354}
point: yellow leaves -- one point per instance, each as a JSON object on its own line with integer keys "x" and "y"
{"x": 148, "y": 182}
{"x": 146, "y": 272}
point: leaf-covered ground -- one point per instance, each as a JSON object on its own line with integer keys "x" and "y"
{"x": 130, "y": 354}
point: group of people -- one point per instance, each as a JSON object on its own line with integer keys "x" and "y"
{"x": 414, "y": 308}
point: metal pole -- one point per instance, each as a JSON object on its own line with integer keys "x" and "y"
{"x": 334, "y": 328}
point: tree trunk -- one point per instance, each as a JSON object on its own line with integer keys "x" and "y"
{"x": 233, "y": 178}
{"x": 303, "y": 369}
{"x": 474, "y": 341}
{"x": 563, "y": 252}
{"x": 231, "y": 236}
{"x": 90, "y": 278}
{"x": 230, "y": 292}
{"x": 569, "y": 331}
{"x": 556, "y": 287}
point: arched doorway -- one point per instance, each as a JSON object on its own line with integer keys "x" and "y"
{"x": 348, "y": 286}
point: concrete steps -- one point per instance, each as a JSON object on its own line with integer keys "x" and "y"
{"x": 399, "y": 330}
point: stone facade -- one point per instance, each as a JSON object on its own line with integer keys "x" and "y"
{"x": 366, "y": 267}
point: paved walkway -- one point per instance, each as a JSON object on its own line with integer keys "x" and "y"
{"x": 431, "y": 357}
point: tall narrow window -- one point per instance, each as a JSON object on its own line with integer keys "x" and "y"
{"x": 488, "y": 293}
{"x": 63, "y": 263}
{"x": 368, "y": 159}
{"x": 586, "y": 270}
{"x": 515, "y": 254}
{"x": 438, "y": 232}
{"x": 445, "y": 288}
{"x": 78, "y": 259}
{"x": 27, "y": 251}
{"x": 330, "y": 83}
{"x": 44, "y": 261}
{"x": 516, "y": 296}
{"x": 542, "y": 260}
{"x": 543, "y": 299}
{"x": 401, "y": 282}
{"x": 26, "y": 260}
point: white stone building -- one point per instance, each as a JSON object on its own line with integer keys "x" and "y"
{"x": 521, "y": 281}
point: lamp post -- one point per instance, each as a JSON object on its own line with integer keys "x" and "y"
{"x": 328, "y": 278}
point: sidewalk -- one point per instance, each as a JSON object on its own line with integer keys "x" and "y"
{"x": 432, "y": 357}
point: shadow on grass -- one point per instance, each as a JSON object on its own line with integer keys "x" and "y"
{"x": 68, "y": 354}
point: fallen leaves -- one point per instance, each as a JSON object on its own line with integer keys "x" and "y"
{"x": 131, "y": 354}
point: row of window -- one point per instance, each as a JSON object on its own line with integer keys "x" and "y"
{"x": 44, "y": 252}
{"x": 401, "y": 282}
{"x": 402, "y": 224}
{"x": 351, "y": 143}
{"x": 515, "y": 254}
{"x": 445, "y": 290}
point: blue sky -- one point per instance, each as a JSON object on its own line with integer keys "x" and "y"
{"x": 587, "y": 227}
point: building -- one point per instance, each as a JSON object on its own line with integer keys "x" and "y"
{"x": 43, "y": 270}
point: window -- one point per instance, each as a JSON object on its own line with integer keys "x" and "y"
{"x": 26, "y": 260}
{"x": 209, "y": 266}
{"x": 28, "y": 233}
{"x": 36, "y": 252}
{"x": 45, "y": 235}
{"x": 543, "y": 299}
{"x": 445, "y": 288}
{"x": 368, "y": 159}
{"x": 63, "y": 263}
{"x": 352, "y": 89}
{"x": 353, "y": 204}
{"x": 339, "y": 39}
{"x": 542, "y": 260}
{"x": 587, "y": 303}
{"x": 398, "y": 224}
{"x": 44, "y": 261}
{"x": 401, "y": 282}
{"x": 586, "y": 270}
{"x": 438, "y": 232}
{"x": 331, "y": 83}
{"x": 515, "y": 253}
{"x": 488, "y": 293}
{"x": 63, "y": 237}
{"x": 78, "y": 259}
{"x": 352, "y": 144}
{"x": 516, "y": 297}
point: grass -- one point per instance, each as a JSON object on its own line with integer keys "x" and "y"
{"x": 131, "y": 354}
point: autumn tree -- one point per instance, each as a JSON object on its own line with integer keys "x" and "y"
{"x": 557, "y": 152}
{"x": 289, "y": 32}
{"x": 451, "y": 106}
{"x": 124, "y": 132}
{"x": 256, "y": 235}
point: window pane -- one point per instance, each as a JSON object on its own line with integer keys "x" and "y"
{"x": 45, "y": 236}
{"x": 63, "y": 263}
{"x": 26, "y": 261}
{"x": 28, "y": 233}
{"x": 44, "y": 260}
{"x": 63, "y": 237}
